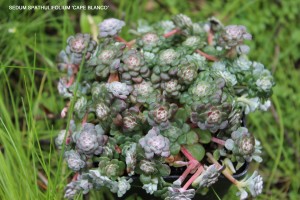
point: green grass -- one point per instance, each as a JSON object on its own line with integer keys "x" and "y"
{"x": 29, "y": 44}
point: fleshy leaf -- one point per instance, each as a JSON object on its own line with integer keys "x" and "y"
{"x": 174, "y": 148}
{"x": 196, "y": 150}
{"x": 204, "y": 136}
{"x": 192, "y": 138}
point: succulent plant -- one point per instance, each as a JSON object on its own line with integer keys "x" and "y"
{"x": 143, "y": 92}
{"x": 244, "y": 146}
{"x": 220, "y": 69}
{"x": 174, "y": 96}
{"x": 63, "y": 89}
{"x": 123, "y": 186}
{"x": 133, "y": 69}
{"x": 234, "y": 120}
{"x": 182, "y": 21}
{"x": 254, "y": 184}
{"x": 59, "y": 140}
{"x": 111, "y": 168}
{"x": 163, "y": 27}
{"x": 151, "y": 187}
{"x": 110, "y": 27}
{"x": 130, "y": 153}
{"x": 150, "y": 42}
{"x": 80, "y": 107}
{"x": 160, "y": 113}
{"x": 119, "y": 90}
{"x": 80, "y": 43}
{"x": 107, "y": 58}
{"x": 187, "y": 71}
{"x": 74, "y": 160}
{"x": 233, "y": 36}
{"x": 193, "y": 42}
{"x": 168, "y": 57}
{"x": 171, "y": 88}
{"x": 208, "y": 177}
{"x": 75, "y": 187}
{"x": 211, "y": 117}
{"x": 80, "y": 47}
{"x": 155, "y": 144}
{"x": 90, "y": 139}
{"x": 204, "y": 89}
{"x": 147, "y": 167}
{"x": 132, "y": 120}
{"x": 120, "y": 187}
{"x": 177, "y": 193}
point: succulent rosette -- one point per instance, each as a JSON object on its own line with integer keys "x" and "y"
{"x": 119, "y": 90}
{"x": 132, "y": 120}
{"x": 176, "y": 193}
{"x": 90, "y": 140}
{"x": 233, "y": 36}
{"x": 172, "y": 88}
{"x": 244, "y": 146}
{"x": 143, "y": 92}
{"x": 193, "y": 42}
{"x": 133, "y": 68}
{"x": 182, "y": 21}
{"x": 150, "y": 42}
{"x": 80, "y": 46}
{"x": 160, "y": 113}
{"x": 155, "y": 144}
{"x": 208, "y": 177}
{"x": 211, "y": 117}
{"x": 79, "y": 186}
{"x": 107, "y": 58}
{"x": 74, "y": 160}
{"x": 254, "y": 184}
{"x": 166, "y": 67}
{"x": 188, "y": 69}
{"x": 110, "y": 27}
{"x": 111, "y": 168}
{"x": 204, "y": 89}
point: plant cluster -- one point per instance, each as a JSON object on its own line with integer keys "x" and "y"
{"x": 173, "y": 97}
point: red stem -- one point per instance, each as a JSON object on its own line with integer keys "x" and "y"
{"x": 187, "y": 154}
{"x": 113, "y": 77}
{"x": 218, "y": 141}
{"x": 75, "y": 177}
{"x": 224, "y": 172}
{"x": 130, "y": 43}
{"x": 84, "y": 119}
{"x": 210, "y": 37}
{"x": 208, "y": 57}
{"x": 186, "y": 172}
{"x": 173, "y": 32}
{"x": 120, "y": 39}
{"x": 191, "y": 180}
{"x": 71, "y": 80}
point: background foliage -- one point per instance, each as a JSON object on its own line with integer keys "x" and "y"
{"x": 31, "y": 167}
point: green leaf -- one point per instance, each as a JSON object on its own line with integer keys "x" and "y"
{"x": 196, "y": 150}
{"x": 145, "y": 179}
{"x": 216, "y": 154}
{"x": 204, "y": 136}
{"x": 181, "y": 115}
{"x": 164, "y": 170}
{"x": 174, "y": 148}
{"x": 182, "y": 139}
{"x": 191, "y": 138}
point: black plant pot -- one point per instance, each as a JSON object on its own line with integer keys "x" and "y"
{"x": 220, "y": 188}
